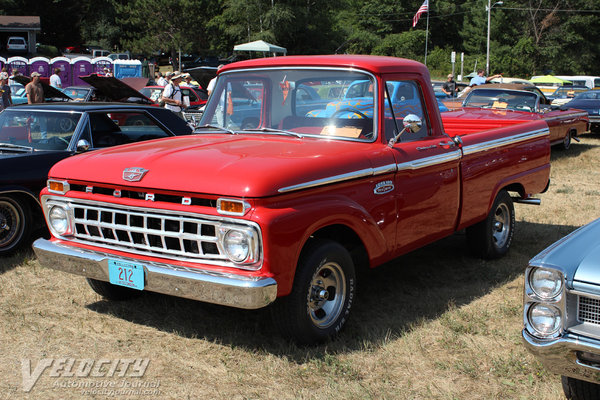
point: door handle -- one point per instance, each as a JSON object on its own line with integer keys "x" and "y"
{"x": 447, "y": 145}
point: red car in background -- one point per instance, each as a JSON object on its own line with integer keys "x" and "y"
{"x": 197, "y": 97}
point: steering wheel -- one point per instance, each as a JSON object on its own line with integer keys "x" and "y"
{"x": 351, "y": 110}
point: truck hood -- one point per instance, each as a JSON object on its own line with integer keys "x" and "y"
{"x": 126, "y": 89}
{"x": 249, "y": 165}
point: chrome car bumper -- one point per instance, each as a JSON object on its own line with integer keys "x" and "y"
{"x": 202, "y": 285}
{"x": 565, "y": 355}
{"x": 594, "y": 119}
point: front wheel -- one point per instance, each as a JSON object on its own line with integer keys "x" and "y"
{"x": 576, "y": 389}
{"x": 491, "y": 238}
{"x": 15, "y": 224}
{"x": 322, "y": 295}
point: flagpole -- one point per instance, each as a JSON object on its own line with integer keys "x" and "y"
{"x": 427, "y": 31}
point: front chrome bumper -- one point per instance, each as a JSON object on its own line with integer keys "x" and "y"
{"x": 563, "y": 355}
{"x": 202, "y": 285}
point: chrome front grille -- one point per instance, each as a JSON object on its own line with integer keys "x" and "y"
{"x": 588, "y": 310}
{"x": 149, "y": 232}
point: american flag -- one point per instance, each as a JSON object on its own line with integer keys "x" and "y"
{"x": 423, "y": 9}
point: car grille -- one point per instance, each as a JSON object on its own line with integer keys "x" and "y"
{"x": 148, "y": 232}
{"x": 588, "y": 310}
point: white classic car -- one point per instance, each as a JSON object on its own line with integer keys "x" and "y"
{"x": 562, "y": 310}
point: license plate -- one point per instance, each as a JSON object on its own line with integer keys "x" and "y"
{"x": 126, "y": 274}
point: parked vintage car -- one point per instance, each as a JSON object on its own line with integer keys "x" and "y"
{"x": 34, "y": 137}
{"x": 80, "y": 93}
{"x": 289, "y": 211}
{"x": 51, "y": 94}
{"x": 588, "y": 101}
{"x": 561, "y": 313}
{"x": 565, "y": 124}
{"x": 564, "y": 94}
{"x": 196, "y": 97}
{"x": 17, "y": 94}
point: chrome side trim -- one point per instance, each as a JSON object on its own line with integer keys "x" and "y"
{"x": 506, "y": 141}
{"x": 429, "y": 161}
{"x": 329, "y": 180}
{"x": 559, "y": 117}
{"x": 386, "y": 169}
{"x": 191, "y": 283}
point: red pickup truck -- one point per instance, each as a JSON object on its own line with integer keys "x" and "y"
{"x": 306, "y": 170}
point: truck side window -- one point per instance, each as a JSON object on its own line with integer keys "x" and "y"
{"x": 405, "y": 99}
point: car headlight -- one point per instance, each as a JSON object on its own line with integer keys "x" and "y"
{"x": 59, "y": 220}
{"x": 237, "y": 245}
{"x": 546, "y": 283}
{"x": 545, "y": 319}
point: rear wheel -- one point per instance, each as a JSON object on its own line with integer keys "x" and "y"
{"x": 576, "y": 389}
{"x": 113, "y": 292}
{"x": 566, "y": 144}
{"x": 15, "y": 221}
{"x": 491, "y": 238}
{"x": 324, "y": 288}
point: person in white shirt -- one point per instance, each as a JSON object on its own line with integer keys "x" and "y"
{"x": 172, "y": 95}
{"x": 55, "y": 79}
{"x": 161, "y": 81}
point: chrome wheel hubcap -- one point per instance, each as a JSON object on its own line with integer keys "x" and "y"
{"x": 501, "y": 225}
{"x": 326, "y": 294}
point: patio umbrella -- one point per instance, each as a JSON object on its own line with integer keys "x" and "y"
{"x": 549, "y": 79}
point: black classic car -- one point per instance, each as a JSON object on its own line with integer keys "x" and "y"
{"x": 34, "y": 137}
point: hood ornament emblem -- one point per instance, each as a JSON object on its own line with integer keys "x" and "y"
{"x": 134, "y": 174}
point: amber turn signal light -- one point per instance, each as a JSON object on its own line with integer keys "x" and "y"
{"x": 58, "y": 186}
{"x": 232, "y": 207}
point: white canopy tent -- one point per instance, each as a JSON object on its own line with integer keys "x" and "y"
{"x": 261, "y": 46}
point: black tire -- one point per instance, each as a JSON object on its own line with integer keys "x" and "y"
{"x": 576, "y": 389}
{"x": 566, "y": 144}
{"x": 113, "y": 292}
{"x": 322, "y": 296}
{"x": 491, "y": 238}
{"x": 15, "y": 224}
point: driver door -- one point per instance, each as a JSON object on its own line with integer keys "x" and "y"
{"x": 427, "y": 178}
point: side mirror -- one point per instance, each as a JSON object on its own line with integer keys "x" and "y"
{"x": 83, "y": 145}
{"x": 412, "y": 124}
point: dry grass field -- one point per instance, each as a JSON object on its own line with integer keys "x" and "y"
{"x": 435, "y": 324}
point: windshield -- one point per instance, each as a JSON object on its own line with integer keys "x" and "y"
{"x": 502, "y": 99}
{"x": 331, "y": 103}
{"x": 153, "y": 93}
{"x": 77, "y": 94}
{"x": 40, "y": 130}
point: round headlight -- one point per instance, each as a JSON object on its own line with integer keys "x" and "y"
{"x": 237, "y": 245}
{"x": 59, "y": 220}
{"x": 546, "y": 283}
{"x": 546, "y": 320}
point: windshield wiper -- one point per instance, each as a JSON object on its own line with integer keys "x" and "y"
{"x": 274, "y": 131}
{"x": 15, "y": 147}
{"x": 217, "y": 127}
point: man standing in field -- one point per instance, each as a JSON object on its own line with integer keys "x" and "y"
{"x": 34, "y": 90}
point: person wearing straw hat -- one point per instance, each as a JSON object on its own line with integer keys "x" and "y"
{"x": 172, "y": 96}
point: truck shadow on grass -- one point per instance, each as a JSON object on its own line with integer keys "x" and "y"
{"x": 588, "y": 142}
{"x": 391, "y": 299}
